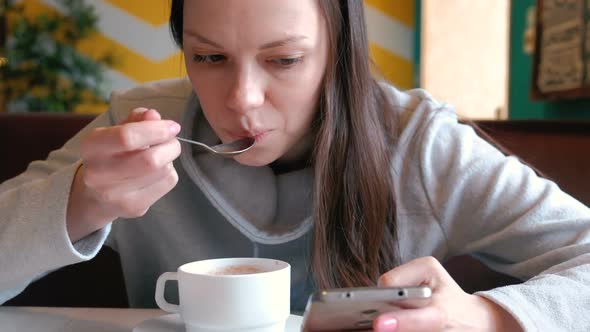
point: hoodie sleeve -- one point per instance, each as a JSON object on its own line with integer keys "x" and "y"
{"x": 33, "y": 205}
{"x": 497, "y": 209}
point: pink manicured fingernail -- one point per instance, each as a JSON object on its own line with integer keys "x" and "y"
{"x": 174, "y": 128}
{"x": 140, "y": 112}
{"x": 385, "y": 323}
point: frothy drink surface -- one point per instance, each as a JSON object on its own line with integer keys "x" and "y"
{"x": 237, "y": 269}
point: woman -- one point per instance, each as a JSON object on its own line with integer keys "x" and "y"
{"x": 390, "y": 179}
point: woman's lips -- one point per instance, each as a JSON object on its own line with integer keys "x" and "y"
{"x": 258, "y": 135}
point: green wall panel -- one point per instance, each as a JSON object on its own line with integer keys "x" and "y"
{"x": 520, "y": 104}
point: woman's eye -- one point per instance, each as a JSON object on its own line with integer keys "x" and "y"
{"x": 287, "y": 62}
{"x": 211, "y": 58}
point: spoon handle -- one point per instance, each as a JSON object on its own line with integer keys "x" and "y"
{"x": 205, "y": 146}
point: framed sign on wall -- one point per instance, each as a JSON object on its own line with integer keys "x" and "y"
{"x": 561, "y": 66}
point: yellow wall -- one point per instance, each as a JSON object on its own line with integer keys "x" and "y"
{"x": 136, "y": 31}
{"x": 391, "y": 25}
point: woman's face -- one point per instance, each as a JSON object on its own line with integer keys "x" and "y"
{"x": 257, "y": 68}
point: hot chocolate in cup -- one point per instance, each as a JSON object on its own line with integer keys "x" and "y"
{"x": 238, "y": 294}
{"x": 237, "y": 269}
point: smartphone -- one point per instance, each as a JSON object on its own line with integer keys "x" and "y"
{"x": 353, "y": 309}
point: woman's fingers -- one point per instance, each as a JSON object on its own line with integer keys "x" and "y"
{"x": 412, "y": 320}
{"x": 142, "y": 114}
{"x": 421, "y": 271}
{"x": 135, "y": 203}
{"x": 119, "y": 188}
{"x": 131, "y": 165}
{"x": 107, "y": 141}
{"x": 446, "y": 308}
{"x": 150, "y": 160}
{"x": 128, "y": 167}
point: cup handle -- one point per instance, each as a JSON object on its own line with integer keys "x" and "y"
{"x": 160, "y": 300}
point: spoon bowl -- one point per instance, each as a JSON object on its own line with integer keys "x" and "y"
{"x": 230, "y": 149}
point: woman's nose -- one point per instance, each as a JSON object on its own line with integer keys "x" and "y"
{"x": 247, "y": 92}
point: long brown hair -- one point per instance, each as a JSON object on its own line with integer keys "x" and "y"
{"x": 355, "y": 234}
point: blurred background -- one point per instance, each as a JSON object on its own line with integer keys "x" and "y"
{"x": 68, "y": 55}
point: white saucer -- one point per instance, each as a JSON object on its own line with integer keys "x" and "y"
{"x": 173, "y": 323}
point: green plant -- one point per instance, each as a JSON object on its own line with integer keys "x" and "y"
{"x": 44, "y": 71}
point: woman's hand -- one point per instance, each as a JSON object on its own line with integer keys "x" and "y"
{"x": 450, "y": 309}
{"x": 125, "y": 169}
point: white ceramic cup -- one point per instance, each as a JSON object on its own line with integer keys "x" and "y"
{"x": 213, "y": 301}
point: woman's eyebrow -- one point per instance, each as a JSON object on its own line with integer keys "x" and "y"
{"x": 277, "y": 43}
{"x": 201, "y": 38}
{"x": 283, "y": 42}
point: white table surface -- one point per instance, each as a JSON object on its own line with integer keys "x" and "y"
{"x": 34, "y": 319}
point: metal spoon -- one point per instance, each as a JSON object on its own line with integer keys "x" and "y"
{"x": 230, "y": 149}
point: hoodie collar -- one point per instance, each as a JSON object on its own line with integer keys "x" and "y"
{"x": 265, "y": 207}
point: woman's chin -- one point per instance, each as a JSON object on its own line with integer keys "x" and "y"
{"x": 252, "y": 158}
